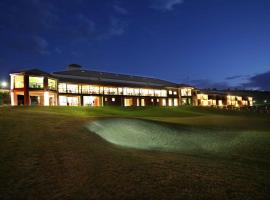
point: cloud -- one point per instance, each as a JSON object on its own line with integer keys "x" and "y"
{"x": 260, "y": 81}
{"x": 165, "y": 5}
{"x": 29, "y": 44}
{"x": 208, "y": 84}
{"x": 118, "y": 27}
{"x": 119, "y": 9}
{"x": 234, "y": 77}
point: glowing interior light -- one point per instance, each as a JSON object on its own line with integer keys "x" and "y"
{"x": 4, "y": 84}
{"x": 46, "y": 99}
{"x": 12, "y": 98}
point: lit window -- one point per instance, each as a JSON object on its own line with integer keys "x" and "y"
{"x": 170, "y": 92}
{"x": 163, "y": 102}
{"x": 19, "y": 81}
{"x": 152, "y": 100}
{"x": 170, "y": 102}
{"x": 52, "y": 84}
{"x": 72, "y": 88}
{"x": 142, "y": 102}
{"x": 186, "y": 92}
{"x": 175, "y": 102}
{"x": 62, "y": 87}
{"x": 174, "y": 92}
{"x": 36, "y": 82}
{"x": 157, "y": 100}
{"x": 113, "y": 99}
{"x": 105, "y": 99}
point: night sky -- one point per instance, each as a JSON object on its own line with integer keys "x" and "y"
{"x": 207, "y": 43}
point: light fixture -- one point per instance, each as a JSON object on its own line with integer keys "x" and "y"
{"x": 4, "y": 84}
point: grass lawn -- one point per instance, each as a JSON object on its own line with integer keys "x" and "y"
{"x": 48, "y": 153}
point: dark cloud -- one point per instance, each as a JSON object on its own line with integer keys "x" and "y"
{"x": 260, "y": 81}
{"x": 165, "y": 5}
{"x": 205, "y": 84}
{"x": 119, "y": 9}
{"x": 29, "y": 44}
{"x": 40, "y": 21}
{"x": 234, "y": 77}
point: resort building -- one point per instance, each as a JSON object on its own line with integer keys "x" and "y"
{"x": 79, "y": 87}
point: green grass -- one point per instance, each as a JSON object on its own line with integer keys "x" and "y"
{"x": 47, "y": 153}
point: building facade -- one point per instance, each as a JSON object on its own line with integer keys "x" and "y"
{"x": 79, "y": 87}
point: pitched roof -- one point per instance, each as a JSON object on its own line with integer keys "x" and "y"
{"x": 36, "y": 72}
{"x": 111, "y": 78}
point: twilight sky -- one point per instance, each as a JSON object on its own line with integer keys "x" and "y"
{"x": 208, "y": 43}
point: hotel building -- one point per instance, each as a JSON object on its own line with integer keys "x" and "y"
{"x": 79, "y": 87}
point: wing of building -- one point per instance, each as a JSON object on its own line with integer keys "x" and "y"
{"x": 79, "y": 87}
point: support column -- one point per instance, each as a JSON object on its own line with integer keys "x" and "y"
{"x": 26, "y": 90}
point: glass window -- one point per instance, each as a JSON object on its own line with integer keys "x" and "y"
{"x": 19, "y": 81}
{"x": 62, "y": 100}
{"x": 36, "y": 82}
{"x": 175, "y": 102}
{"x": 72, "y": 88}
{"x": 62, "y": 87}
{"x": 52, "y": 84}
{"x": 186, "y": 92}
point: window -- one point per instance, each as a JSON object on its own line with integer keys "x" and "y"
{"x": 128, "y": 102}
{"x": 62, "y": 87}
{"x": 175, "y": 102}
{"x": 19, "y": 81}
{"x": 72, "y": 88}
{"x": 174, "y": 93}
{"x": 170, "y": 102}
{"x": 52, "y": 84}
{"x": 36, "y": 82}
{"x": 113, "y": 99}
{"x": 163, "y": 102}
{"x": 186, "y": 92}
{"x": 170, "y": 92}
{"x": 110, "y": 90}
{"x": 142, "y": 102}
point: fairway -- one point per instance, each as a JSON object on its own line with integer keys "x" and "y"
{"x": 133, "y": 153}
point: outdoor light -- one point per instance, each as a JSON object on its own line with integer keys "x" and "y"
{"x": 265, "y": 101}
{"x": 4, "y": 84}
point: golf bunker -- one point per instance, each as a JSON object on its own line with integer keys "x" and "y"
{"x": 143, "y": 134}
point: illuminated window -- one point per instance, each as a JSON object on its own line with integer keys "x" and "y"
{"x": 128, "y": 102}
{"x": 73, "y": 101}
{"x": 62, "y": 87}
{"x": 163, "y": 102}
{"x": 52, "y": 84}
{"x": 113, "y": 99}
{"x": 36, "y": 82}
{"x": 120, "y": 91}
{"x": 72, "y": 88}
{"x": 175, "y": 102}
{"x": 186, "y": 92}
{"x": 69, "y": 101}
{"x": 157, "y": 100}
{"x": 170, "y": 92}
{"x": 62, "y": 100}
{"x": 142, "y": 102}
{"x": 110, "y": 90}
{"x": 19, "y": 81}
{"x": 174, "y": 92}
{"x": 152, "y": 100}
{"x": 170, "y": 102}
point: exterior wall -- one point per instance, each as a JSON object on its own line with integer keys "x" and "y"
{"x": 76, "y": 94}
